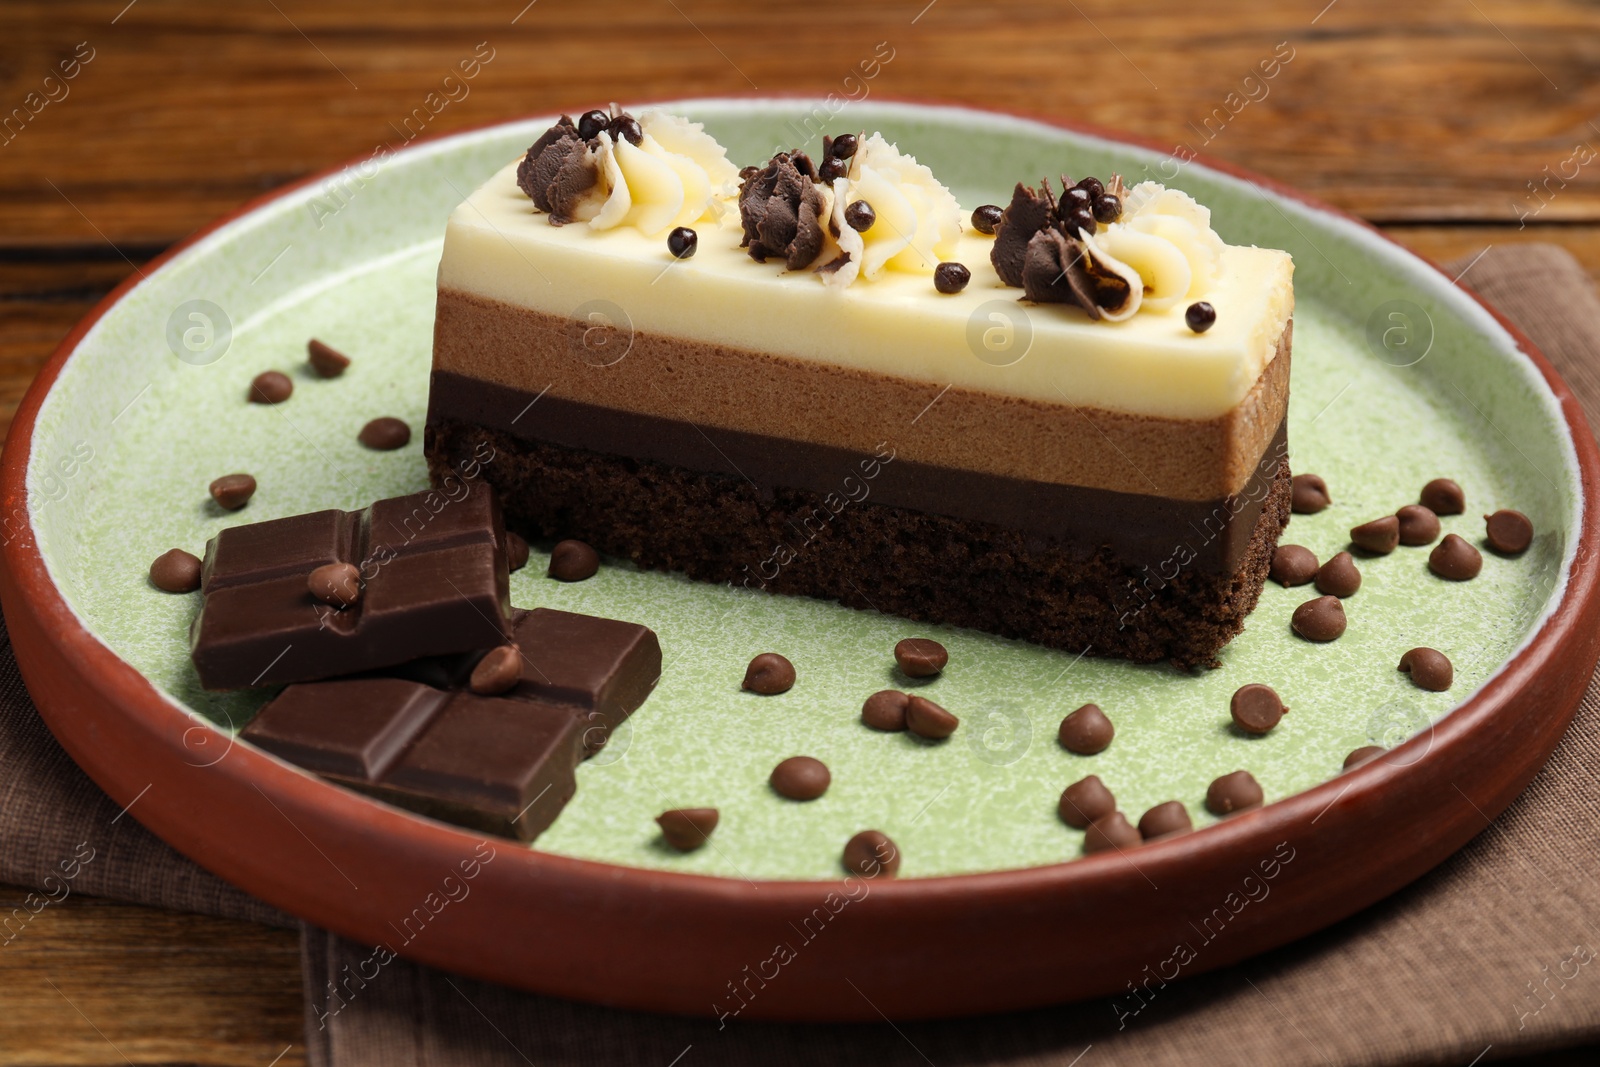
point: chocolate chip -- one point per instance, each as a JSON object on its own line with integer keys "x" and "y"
{"x": 927, "y": 719}
{"x": 326, "y": 362}
{"x": 627, "y": 126}
{"x": 871, "y": 853}
{"x": 1380, "y": 536}
{"x": 1238, "y": 791}
{"x": 1107, "y": 208}
{"x": 951, "y": 277}
{"x": 885, "y": 710}
{"x": 1429, "y": 669}
{"x": 1293, "y": 565}
{"x": 573, "y": 561}
{"x": 1108, "y": 832}
{"x": 1444, "y": 497}
{"x": 338, "y": 584}
{"x": 1455, "y": 559}
{"x": 1321, "y": 619}
{"x": 590, "y": 123}
{"x": 1418, "y": 525}
{"x": 682, "y": 242}
{"x": 1256, "y": 708}
{"x": 986, "y": 218}
{"x": 1084, "y": 801}
{"x": 800, "y": 778}
{"x": 1308, "y": 494}
{"x": 270, "y": 387}
{"x": 233, "y": 491}
{"x": 1163, "y": 819}
{"x": 768, "y": 674}
{"x": 859, "y": 216}
{"x": 497, "y": 671}
{"x": 1200, "y": 316}
{"x": 686, "y": 829}
{"x": 1086, "y": 731}
{"x": 920, "y": 657}
{"x": 1339, "y": 577}
{"x": 1363, "y": 755}
{"x": 385, "y": 434}
{"x": 176, "y": 571}
{"x": 516, "y": 551}
{"x": 843, "y": 146}
{"x": 1509, "y": 532}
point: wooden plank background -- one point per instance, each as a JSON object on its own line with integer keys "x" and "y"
{"x": 1454, "y": 124}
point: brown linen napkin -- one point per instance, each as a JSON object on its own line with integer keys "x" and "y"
{"x": 1494, "y": 950}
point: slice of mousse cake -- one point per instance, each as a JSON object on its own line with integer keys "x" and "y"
{"x": 1062, "y": 421}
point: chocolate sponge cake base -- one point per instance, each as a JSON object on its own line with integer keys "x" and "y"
{"x": 928, "y": 567}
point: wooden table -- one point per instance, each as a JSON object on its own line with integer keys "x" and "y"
{"x": 1453, "y": 125}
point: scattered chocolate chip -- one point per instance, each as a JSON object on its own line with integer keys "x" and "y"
{"x": 951, "y": 277}
{"x": 1363, "y": 755}
{"x": 1509, "y": 532}
{"x": 843, "y": 146}
{"x": 1455, "y": 560}
{"x": 800, "y": 778}
{"x": 885, "y": 710}
{"x": 1163, "y": 819}
{"x": 1238, "y": 791}
{"x": 871, "y": 853}
{"x": 1308, "y": 494}
{"x": 270, "y": 387}
{"x": 859, "y": 216}
{"x": 516, "y": 551}
{"x": 338, "y": 584}
{"x": 920, "y": 657}
{"x": 1339, "y": 576}
{"x": 986, "y": 217}
{"x": 832, "y": 170}
{"x": 573, "y": 561}
{"x": 1444, "y": 497}
{"x": 1429, "y": 669}
{"x": 1293, "y": 565}
{"x": 326, "y": 362}
{"x": 682, "y": 242}
{"x": 686, "y": 829}
{"x": 497, "y": 671}
{"x": 1086, "y": 731}
{"x": 1418, "y": 525}
{"x": 627, "y": 126}
{"x": 385, "y": 434}
{"x": 1321, "y": 619}
{"x": 1200, "y": 316}
{"x": 233, "y": 491}
{"x": 1256, "y": 708}
{"x": 1108, "y": 832}
{"x": 1380, "y": 536}
{"x": 590, "y": 123}
{"x": 769, "y": 674}
{"x": 1107, "y": 208}
{"x": 1084, "y": 801}
{"x": 176, "y": 571}
{"x": 927, "y": 719}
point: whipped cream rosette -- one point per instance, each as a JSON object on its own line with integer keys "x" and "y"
{"x": 917, "y": 223}
{"x": 1162, "y": 245}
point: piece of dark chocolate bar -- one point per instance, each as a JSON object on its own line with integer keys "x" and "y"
{"x": 432, "y": 581}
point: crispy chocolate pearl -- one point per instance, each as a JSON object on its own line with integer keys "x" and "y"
{"x": 385, "y": 434}
{"x": 920, "y": 657}
{"x": 843, "y": 146}
{"x": 1444, "y": 497}
{"x": 338, "y": 584}
{"x": 1107, "y": 208}
{"x": 176, "y": 571}
{"x": 871, "y": 853}
{"x": 859, "y": 216}
{"x": 1418, "y": 525}
{"x": 497, "y": 671}
{"x": 800, "y": 778}
{"x": 1455, "y": 560}
{"x": 627, "y": 126}
{"x": 1309, "y": 494}
{"x": 573, "y": 561}
{"x": 1363, "y": 755}
{"x": 1321, "y": 619}
{"x": 951, "y": 277}
{"x": 1238, "y": 791}
{"x": 686, "y": 829}
{"x": 233, "y": 491}
{"x": 832, "y": 170}
{"x": 682, "y": 242}
{"x": 1091, "y": 185}
{"x": 885, "y": 710}
{"x": 1429, "y": 669}
{"x": 326, "y": 362}
{"x": 1200, "y": 316}
{"x": 986, "y": 217}
{"x": 1509, "y": 532}
{"x": 590, "y": 123}
{"x": 1163, "y": 819}
{"x": 927, "y": 719}
{"x": 1109, "y": 832}
{"x": 1380, "y": 536}
{"x": 1339, "y": 577}
{"x": 769, "y": 674}
{"x": 1084, "y": 801}
{"x": 1256, "y": 708}
{"x": 1075, "y": 198}
{"x": 270, "y": 387}
{"x": 516, "y": 551}
{"x": 1293, "y": 565}
{"x": 1086, "y": 731}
